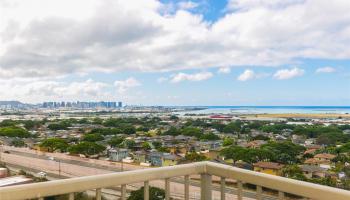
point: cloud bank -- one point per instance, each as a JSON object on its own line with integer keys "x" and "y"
{"x": 42, "y": 38}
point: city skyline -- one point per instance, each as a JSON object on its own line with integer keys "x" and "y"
{"x": 168, "y": 52}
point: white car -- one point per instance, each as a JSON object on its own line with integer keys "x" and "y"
{"x": 42, "y": 174}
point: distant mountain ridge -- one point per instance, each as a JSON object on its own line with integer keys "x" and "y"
{"x": 13, "y": 104}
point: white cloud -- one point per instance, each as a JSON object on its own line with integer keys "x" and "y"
{"x": 138, "y": 35}
{"x": 224, "y": 70}
{"x": 187, "y": 5}
{"x": 288, "y": 73}
{"x": 45, "y": 39}
{"x": 325, "y": 70}
{"x": 162, "y": 79}
{"x": 123, "y": 86}
{"x": 250, "y": 74}
{"x": 191, "y": 77}
{"x": 246, "y": 75}
{"x": 34, "y": 90}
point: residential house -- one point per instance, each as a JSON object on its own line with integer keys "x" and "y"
{"x": 312, "y": 171}
{"x": 163, "y": 159}
{"x": 310, "y": 141}
{"x": 324, "y": 157}
{"x": 323, "y": 160}
{"x": 213, "y": 154}
{"x": 140, "y": 156}
{"x": 298, "y": 139}
{"x": 268, "y": 168}
{"x": 170, "y": 159}
{"x": 118, "y": 154}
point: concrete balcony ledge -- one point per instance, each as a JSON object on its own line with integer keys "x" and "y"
{"x": 205, "y": 169}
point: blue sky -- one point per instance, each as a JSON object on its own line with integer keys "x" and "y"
{"x": 312, "y": 88}
{"x": 200, "y": 52}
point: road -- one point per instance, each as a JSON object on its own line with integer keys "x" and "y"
{"x": 65, "y": 166}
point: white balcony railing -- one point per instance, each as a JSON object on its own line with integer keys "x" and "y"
{"x": 205, "y": 169}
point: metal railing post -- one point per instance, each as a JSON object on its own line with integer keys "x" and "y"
{"x": 71, "y": 196}
{"x": 280, "y": 195}
{"x": 98, "y": 194}
{"x": 222, "y": 188}
{"x": 146, "y": 190}
{"x": 239, "y": 190}
{"x": 167, "y": 189}
{"x": 206, "y": 187}
{"x": 187, "y": 187}
{"x": 258, "y": 192}
{"x": 123, "y": 192}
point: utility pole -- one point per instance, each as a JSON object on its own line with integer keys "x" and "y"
{"x": 59, "y": 168}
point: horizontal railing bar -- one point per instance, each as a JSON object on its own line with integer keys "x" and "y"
{"x": 66, "y": 186}
{"x": 300, "y": 188}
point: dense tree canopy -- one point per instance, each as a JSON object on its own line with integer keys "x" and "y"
{"x": 209, "y": 136}
{"x": 154, "y": 194}
{"x": 14, "y": 132}
{"x": 54, "y": 144}
{"x": 283, "y": 152}
{"x": 107, "y": 131}
{"x": 93, "y": 137}
{"x": 62, "y": 125}
{"x": 18, "y": 143}
{"x": 195, "y": 157}
{"x": 86, "y": 148}
{"x": 233, "y": 127}
{"x": 116, "y": 141}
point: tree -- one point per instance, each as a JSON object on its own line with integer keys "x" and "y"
{"x": 14, "y": 132}
{"x": 8, "y": 122}
{"x": 154, "y": 194}
{"x": 142, "y": 129}
{"x": 261, "y": 137}
{"x": 146, "y": 146}
{"x": 209, "y": 136}
{"x": 157, "y": 144}
{"x": 116, "y": 141}
{"x": 276, "y": 128}
{"x": 218, "y": 126}
{"x": 227, "y": 141}
{"x": 174, "y": 118}
{"x": 191, "y": 131}
{"x": 58, "y": 126}
{"x": 97, "y": 120}
{"x": 129, "y": 144}
{"x": 129, "y": 129}
{"x": 18, "y": 143}
{"x": 284, "y": 152}
{"x": 86, "y": 148}
{"x": 195, "y": 157}
{"x": 233, "y": 127}
{"x": 235, "y": 153}
{"x": 107, "y": 131}
{"x": 30, "y": 124}
{"x": 172, "y": 131}
{"x": 93, "y": 137}
{"x": 294, "y": 172}
{"x": 54, "y": 144}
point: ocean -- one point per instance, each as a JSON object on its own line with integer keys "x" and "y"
{"x": 268, "y": 110}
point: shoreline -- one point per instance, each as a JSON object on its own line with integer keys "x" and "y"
{"x": 299, "y": 115}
